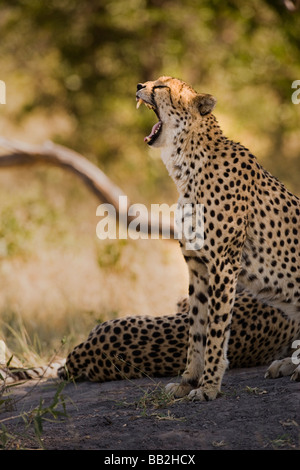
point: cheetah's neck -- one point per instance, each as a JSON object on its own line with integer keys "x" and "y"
{"x": 192, "y": 146}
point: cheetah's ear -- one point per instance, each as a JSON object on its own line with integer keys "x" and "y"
{"x": 205, "y": 103}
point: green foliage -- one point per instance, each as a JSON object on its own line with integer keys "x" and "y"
{"x": 33, "y": 420}
{"x": 85, "y": 58}
{"x": 44, "y": 413}
{"x": 12, "y": 233}
{"x": 71, "y": 70}
{"x": 156, "y": 397}
{"x": 109, "y": 253}
{"x": 33, "y": 211}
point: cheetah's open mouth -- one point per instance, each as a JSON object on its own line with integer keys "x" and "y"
{"x": 156, "y": 129}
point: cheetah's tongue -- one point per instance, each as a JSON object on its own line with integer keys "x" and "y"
{"x": 154, "y": 131}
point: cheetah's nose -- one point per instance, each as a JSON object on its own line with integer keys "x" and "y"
{"x": 140, "y": 86}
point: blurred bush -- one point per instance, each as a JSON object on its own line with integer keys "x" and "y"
{"x": 71, "y": 70}
{"x": 79, "y": 62}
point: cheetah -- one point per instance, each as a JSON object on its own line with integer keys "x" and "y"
{"x": 157, "y": 346}
{"x": 251, "y": 227}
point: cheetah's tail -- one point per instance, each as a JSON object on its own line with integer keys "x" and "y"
{"x": 12, "y": 370}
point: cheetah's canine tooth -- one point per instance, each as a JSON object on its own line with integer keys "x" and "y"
{"x": 139, "y": 102}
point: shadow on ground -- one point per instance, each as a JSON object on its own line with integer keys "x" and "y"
{"x": 252, "y": 413}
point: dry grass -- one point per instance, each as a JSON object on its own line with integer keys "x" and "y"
{"x": 58, "y": 279}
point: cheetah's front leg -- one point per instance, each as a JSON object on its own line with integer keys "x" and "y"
{"x": 207, "y": 351}
{"x": 222, "y": 288}
{"x": 198, "y": 300}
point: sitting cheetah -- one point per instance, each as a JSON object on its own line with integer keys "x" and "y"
{"x": 140, "y": 346}
{"x": 250, "y": 233}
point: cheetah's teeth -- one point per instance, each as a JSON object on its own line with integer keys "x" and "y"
{"x": 139, "y": 102}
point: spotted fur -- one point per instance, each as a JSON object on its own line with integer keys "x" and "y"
{"x": 250, "y": 234}
{"x": 138, "y": 346}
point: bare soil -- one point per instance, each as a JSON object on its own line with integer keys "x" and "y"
{"x": 251, "y": 413}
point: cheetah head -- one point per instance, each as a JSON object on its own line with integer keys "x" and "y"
{"x": 176, "y": 106}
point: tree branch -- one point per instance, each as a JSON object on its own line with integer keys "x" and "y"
{"x": 21, "y": 154}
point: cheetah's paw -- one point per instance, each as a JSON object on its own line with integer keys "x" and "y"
{"x": 283, "y": 368}
{"x": 203, "y": 394}
{"x": 179, "y": 390}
